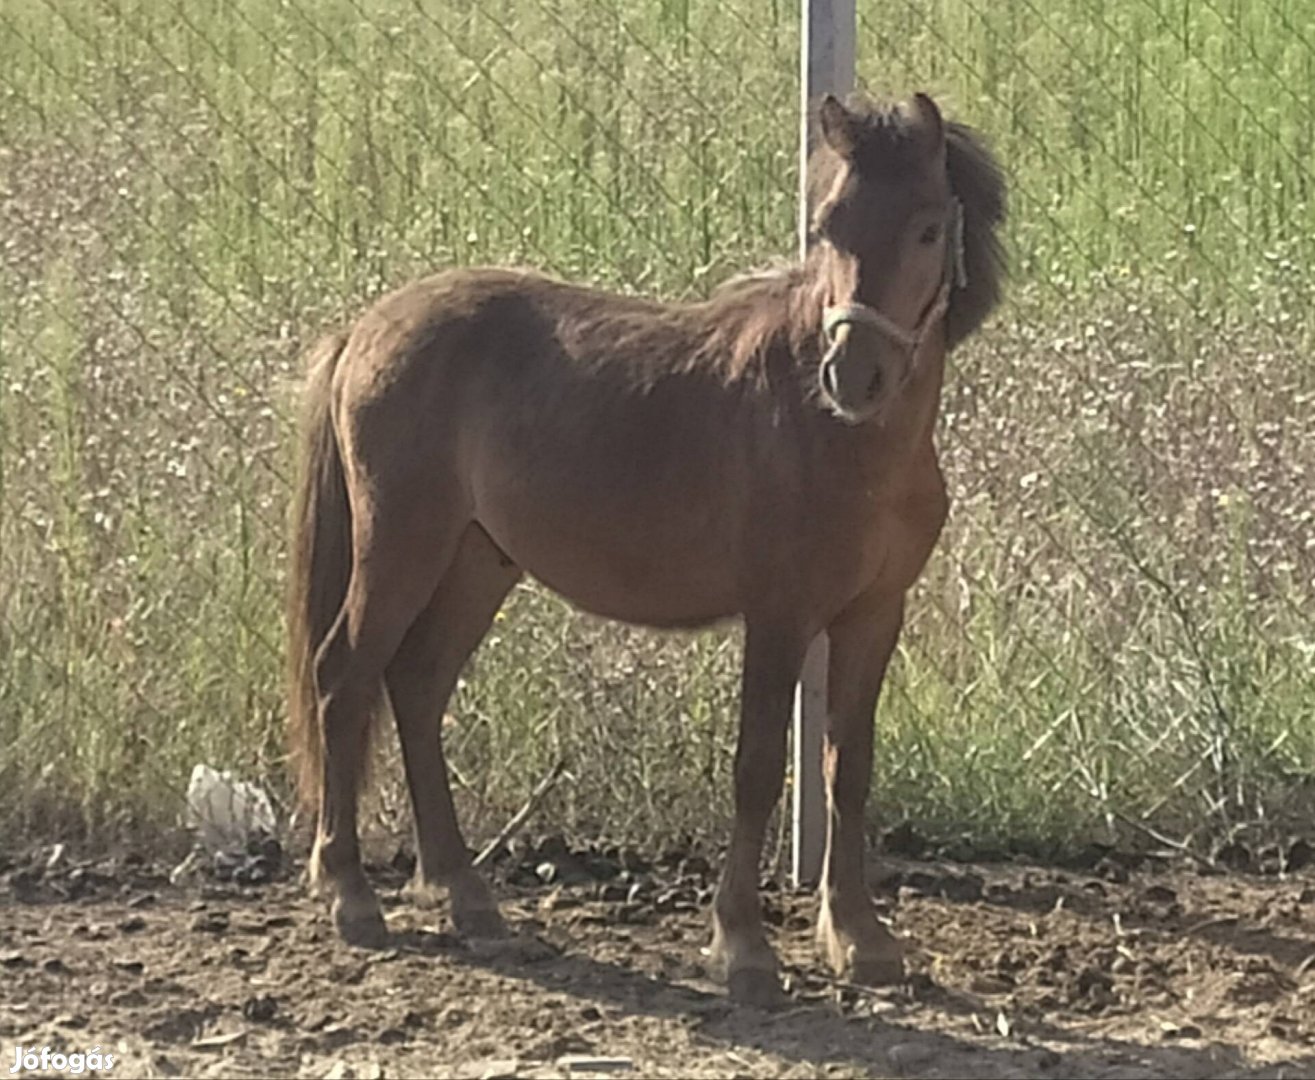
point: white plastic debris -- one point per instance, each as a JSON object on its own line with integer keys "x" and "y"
{"x": 226, "y": 811}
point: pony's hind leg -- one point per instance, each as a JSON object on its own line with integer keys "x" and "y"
{"x": 394, "y": 572}
{"x": 420, "y": 679}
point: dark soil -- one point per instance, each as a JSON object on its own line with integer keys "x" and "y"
{"x": 1015, "y": 973}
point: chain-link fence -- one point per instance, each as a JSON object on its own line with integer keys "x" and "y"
{"x": 1116, "y": 636}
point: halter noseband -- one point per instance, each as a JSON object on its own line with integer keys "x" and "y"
{"x": 955, "y": 276}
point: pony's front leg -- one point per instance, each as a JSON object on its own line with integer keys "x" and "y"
{"x": 851, "y": 938}
{"x": 740, "y": 953}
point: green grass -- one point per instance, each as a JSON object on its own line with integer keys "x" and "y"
{"x": 1119, "y": 623}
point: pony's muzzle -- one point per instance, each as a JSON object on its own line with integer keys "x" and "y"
{"x": 852, "y": 376}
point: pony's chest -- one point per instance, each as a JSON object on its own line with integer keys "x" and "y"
{"x": 882, "y": 535}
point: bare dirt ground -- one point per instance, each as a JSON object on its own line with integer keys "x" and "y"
{"x": 1015, "y": 973}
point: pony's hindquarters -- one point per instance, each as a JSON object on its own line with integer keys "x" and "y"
{"x": 392, "y": 584}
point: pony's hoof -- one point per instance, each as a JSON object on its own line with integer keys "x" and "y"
{"x": 877, "y": 970}
{"x": 757, "y": 987}
{"x": 364, "y": 929}
{"x": 480, "y": 923}
{"x": 877, "y": 961}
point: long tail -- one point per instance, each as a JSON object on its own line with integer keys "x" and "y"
{"x": 320, "y": 563}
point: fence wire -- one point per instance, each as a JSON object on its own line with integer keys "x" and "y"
{"x": 1116, "y": 638}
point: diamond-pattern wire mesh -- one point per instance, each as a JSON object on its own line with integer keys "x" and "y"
{"x": 1115, "y": 638}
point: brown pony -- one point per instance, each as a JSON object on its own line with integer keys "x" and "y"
{"x": 766, "y": 453}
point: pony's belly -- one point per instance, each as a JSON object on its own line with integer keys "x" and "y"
{"x": 659, "y": 576}
{"x": 660, "y": 609}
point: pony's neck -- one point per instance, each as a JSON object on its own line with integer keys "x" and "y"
{"x": 758, "y": 320}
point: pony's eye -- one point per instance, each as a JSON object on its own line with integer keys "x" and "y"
{"x": 930, "y": 234}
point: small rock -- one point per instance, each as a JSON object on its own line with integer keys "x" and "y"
{"x": 1300, "y": 855}
{"x": 919, "y": 883}
{"x": 351, "y": 973}
{"x": 336, "y": 1036}
{"x": 262, "y": 846}
{"x": 562, "y": 1045}
{"x": 224, "y": 864}
{"x": 990, "y": 984}
{"x": 80, "y": 882}
{"x": 255, "y": 871}
{"x": 1112, "y": 871}
{"x": 1236, "y": 856}
{"x": 55, "y": 966}
{"x": 260, "y": 1009}
{"x": 1091, "y": 979}
{"x": 588, "y": 1063}
{"x": 904, "y": 840}
{"x": 910, "y": 1054}
{"x": 211, "y": 922}
{"x": 132, "y": 924}
{"x": 220, "y": 1042}
{"x": 183, "y": 1025}
{"x": 963, "y": 888}
{"x": 491, "y": 1069}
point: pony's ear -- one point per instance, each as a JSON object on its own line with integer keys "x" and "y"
{"x": 839, "y": 126}
{"x": 929, "y": 124}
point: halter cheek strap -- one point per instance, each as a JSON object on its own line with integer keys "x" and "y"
{"x": 955, "y": 275}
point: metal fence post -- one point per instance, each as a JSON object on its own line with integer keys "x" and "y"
{"x": 826, "y": 65}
